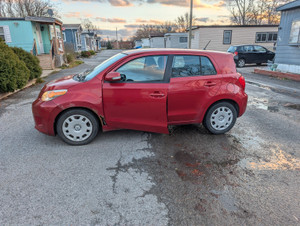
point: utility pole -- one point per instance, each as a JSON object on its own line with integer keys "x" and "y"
{"x": 117, "y": 38}
{"x": 191, "y": 24}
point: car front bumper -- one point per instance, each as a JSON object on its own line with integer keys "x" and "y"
{"x": 44, "y": 114}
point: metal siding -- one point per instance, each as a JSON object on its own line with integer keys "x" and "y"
{"x": 21, "y": 33}
{"x": 157, "y": 42}
{"x": 174, "y": 42}
{"x": 285, "y": 53}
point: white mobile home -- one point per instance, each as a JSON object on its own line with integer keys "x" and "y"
{"x": 157, "y": 42}
{"x": 138, "y": 43}
{"x": 220, "y": 38}
{"x": 145, "y": 42}
{"x": 176, "y": 40}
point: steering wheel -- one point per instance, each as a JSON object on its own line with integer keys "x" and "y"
{"x": 123, "y": 77}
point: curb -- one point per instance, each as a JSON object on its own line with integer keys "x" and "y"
{"x": 295, "y": 77}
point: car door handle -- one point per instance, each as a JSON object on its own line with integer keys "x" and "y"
{"x": 157, "y": 95}
{"x": 210, "y": 84}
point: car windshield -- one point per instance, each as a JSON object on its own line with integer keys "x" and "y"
{"x": 89, "y": 74}
{"x": 232, "y": 49}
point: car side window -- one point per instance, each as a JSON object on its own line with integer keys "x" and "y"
{"x": 259, "y": 49}
{"x": 144, "y": 69}
{"x": 186, "y": 66}
{"x": 207, "y": 68}
{"x": 248, "y": 49}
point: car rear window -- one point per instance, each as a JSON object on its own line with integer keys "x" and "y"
{"x": 232, "y": 49}
{"x": 185, "y": 66}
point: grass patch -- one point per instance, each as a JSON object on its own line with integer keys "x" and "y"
{"x": 72, "y": 64}
{"x": 39, "y": 80}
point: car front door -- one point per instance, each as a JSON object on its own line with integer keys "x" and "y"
{"x": 139, "y": 101}
{"x": 193, "y": 82}
{"x": 250, "y": 55}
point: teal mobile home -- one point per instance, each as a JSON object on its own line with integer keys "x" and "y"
{"x": 41, "y": 36}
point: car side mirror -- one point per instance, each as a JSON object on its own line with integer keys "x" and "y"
{"x": 113, "y": 77}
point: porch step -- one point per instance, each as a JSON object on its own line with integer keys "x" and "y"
{"x": 46, "y": 61}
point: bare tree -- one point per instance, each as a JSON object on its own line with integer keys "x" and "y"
{"x": 2, "y": 13}
{"x": 247, "y": 12}
{"x": 183, "y": 22}
{"x": 240, "y": 11}
{"x": 148, "y": 30}
{"x": 23, "y": 8}
{"x": 270, "y": 15}
{"x": 88, "y": 25}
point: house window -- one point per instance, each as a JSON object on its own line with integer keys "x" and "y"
{"x": 295, "y": 32}
{"x": 2, "y": 36}
{"x": 266, "y": 37}
{"x": 183, "y": 39}
{"x": 227, "y": 35}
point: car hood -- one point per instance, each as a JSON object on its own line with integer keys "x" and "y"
{"x": 61, "y": 83}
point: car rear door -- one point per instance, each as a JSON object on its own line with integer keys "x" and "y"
{"x": 194, "y": 81}
{"x": 139, "y": 102}
{"x": 261, "y": 54}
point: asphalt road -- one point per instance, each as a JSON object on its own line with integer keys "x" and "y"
{"x": 249, "y": 176}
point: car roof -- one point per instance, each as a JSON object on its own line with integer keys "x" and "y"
{"x": 173, "y": 51}
{"x": 246, "y": 45}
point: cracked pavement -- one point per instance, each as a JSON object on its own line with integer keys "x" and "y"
{"x": 249, "y": 176}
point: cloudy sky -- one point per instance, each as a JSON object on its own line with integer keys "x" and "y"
{"x": 127, "y": 15}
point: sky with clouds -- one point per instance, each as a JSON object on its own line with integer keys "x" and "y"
{"x": 128, "y": 15}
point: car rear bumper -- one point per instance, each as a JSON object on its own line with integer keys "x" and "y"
{"x": 243, "y": 104}
{"x": 44, "y": 113}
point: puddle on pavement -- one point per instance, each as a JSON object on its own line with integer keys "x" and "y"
{"x": 277, "y": 160}
{"x": 263, "y": 103}
{"x": 271, "y": 106}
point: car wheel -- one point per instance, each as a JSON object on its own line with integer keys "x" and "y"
{"x": 77, "y": 127}
{"x": 241, "y": 63}
{"x": 220, "y": 118}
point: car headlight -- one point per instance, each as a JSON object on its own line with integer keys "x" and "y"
{"x": 50, "y": 95}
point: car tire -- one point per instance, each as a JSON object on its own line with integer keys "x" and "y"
{"x": 220, "y": 118}
{"x": 77, "y": 127}
{"x": 241, "y": 62}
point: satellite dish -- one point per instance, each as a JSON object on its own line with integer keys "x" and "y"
{"x": 50, "y": 12}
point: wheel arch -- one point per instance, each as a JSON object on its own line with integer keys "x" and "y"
{"x": 234, "y": 103}
{"x": 100, "y": 119}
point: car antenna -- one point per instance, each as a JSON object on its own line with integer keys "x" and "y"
{"x": 207, "y": 45}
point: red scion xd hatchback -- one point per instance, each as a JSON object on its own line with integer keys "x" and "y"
{"x": 144, "y": 90}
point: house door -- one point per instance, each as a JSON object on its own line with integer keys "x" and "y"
{"x": 40, "y": 38}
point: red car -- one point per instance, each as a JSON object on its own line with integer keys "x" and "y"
{"x": 144, "y": 90}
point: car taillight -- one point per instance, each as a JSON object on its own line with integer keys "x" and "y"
{"x": 242, "y": 82}
{"x": 235, "y": 53}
